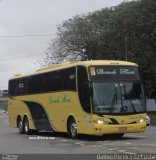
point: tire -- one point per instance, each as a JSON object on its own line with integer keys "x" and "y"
{"x": 72, "y": 129}
{"x": 26, "y": 126}
{"x": 20, "y": 126}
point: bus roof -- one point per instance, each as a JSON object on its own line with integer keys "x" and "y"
{"x": 72, "y": 64}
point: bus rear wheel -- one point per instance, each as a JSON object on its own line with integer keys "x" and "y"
{"x": 20, "y": 126}
{"x": 72, "y": 128}
{"x": 26, "y": 126}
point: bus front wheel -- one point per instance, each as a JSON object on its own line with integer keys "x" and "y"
{"x": 72, "y": 128}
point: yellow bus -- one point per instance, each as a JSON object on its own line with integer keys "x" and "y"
{"x": 89, "y": 97}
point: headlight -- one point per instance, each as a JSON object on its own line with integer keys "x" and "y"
{"x": 142, "y": 120}
{"x": 98, "y": 121}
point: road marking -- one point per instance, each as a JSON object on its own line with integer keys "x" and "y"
{"x": 128, "y": 152}
{"x": 149, "y": 144}
{"x": 125, "y": 152}
{"x": 52, "y": 138}
{"x": 136, "y": 136}
{"x": 107, "y": 141}
{"x": 121, "y": 150}
{"x": 80, "y": 143}
{"x": 112, "y": 149}
{"x": 94, "y": 146}
{"x": 132, "y": 147}
{"x": 126, "y": 143}
{"x": 64, "y": 140}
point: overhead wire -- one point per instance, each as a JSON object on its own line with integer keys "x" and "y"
{"x": 24, "y": 35}
{"x": 21, "y": 36}
{"x": 14, "y": 58}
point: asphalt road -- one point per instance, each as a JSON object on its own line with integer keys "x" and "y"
{"x": 51, "y": 143}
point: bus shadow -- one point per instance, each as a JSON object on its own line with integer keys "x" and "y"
{"x": 104, "y": 138}
{"x": 85, "y": 137}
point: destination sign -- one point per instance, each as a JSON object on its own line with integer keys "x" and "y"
{"x": 128, "y": 71}
{"x": 114, "y": 72}
{"x": 106, "y": 72}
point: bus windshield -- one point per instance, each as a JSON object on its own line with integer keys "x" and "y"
{"x": 118, "y": 98}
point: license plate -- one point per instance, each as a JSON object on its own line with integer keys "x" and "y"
{"x": 122, "y": 129}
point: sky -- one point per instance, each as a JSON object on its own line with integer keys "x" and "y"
{"x": 23, "y": 24}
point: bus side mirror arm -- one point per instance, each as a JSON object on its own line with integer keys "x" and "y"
{"x": 90, "y": 87}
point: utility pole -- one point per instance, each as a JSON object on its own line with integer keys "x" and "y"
{"x": 125, "y": 32}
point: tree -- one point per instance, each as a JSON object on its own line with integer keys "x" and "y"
{"x": 101, "y": 35}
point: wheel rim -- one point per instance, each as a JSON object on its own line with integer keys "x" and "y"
{"x": 73, "y": 129}
{"x": 26, "y": 127}
{"x": 20, "y": 126}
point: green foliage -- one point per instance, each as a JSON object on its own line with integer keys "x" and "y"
{"x": 153, "y": 118}
{"x": 102, "y": 34}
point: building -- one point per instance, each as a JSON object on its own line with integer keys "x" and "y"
{"x": 4, "y": 99}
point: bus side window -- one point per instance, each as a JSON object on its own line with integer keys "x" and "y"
{"x": 69, "y": 79}
{"x": 13, "y": 87}
{"x": 83, "y": 89}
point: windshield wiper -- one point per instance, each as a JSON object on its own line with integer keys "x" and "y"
{"x": 129, "y": 99}
{"x": 114, "y": 100}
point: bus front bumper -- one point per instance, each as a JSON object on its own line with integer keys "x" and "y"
{"x": 101, "y": 129}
